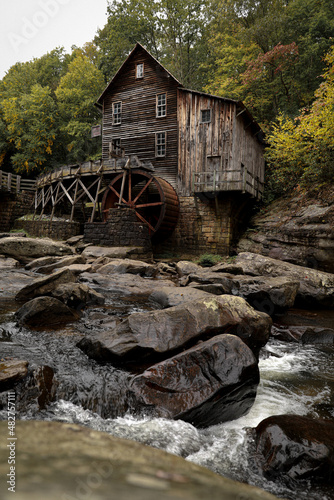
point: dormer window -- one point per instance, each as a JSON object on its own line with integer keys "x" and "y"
{"x": 140, "y": 70}
{"x": 161, "y": 105}
{"x": 205, "y": 115}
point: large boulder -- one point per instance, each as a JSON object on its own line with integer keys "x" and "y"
{"x": 44, "y": 312}
{"x": 296, "y": 228}
{"x": 60, "y": 263}
{"x": 305, "y": 334}
{"x": 168, "y": 296}
{"x": 205, "y": 385}
{"x": 316, "y": 287}
{"x": 131, "y": 266}
{"x": 295, "y": 447}
{"x": 11, "y": 371}
{"x": 116, "y": 252}
{"x": 77, "y": 295}
{"x": 27, "y": 249}
{"x": 45, "y": 286}
{"x": 154, "y": 334}
{"x": 75, "y": 462}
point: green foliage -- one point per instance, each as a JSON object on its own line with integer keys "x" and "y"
{"x": 209, "y": 260}
{"x": 301, "y": 150}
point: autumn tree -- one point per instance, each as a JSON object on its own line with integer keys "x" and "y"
{"x": 76, "y": 94}
{"x": 302, "y": 149}
{"x": 31, "y": 125}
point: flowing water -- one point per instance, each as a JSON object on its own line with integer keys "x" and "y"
{"x": 295, "y": 379}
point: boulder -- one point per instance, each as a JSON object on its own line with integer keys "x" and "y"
{"x": 210, "y": 383}
{"x": 296, "y": 228}
{"x": 155, "y": 334}
{"x": 304, "y": 334}
{"x": 116, "y": 252}
{"x": 316, "y": 287}
{"x": 185, "y": 267}
{"x": 7, "y": 262}
{"x": 124, "y": 285}
{"x": 41, "y": 262}
{"x": 45, "y": 286}
{"x": 131, "y": 266}
{"x": 11, "y": 371}
{"x": 294, "y": 447}
{"x": 77, "y": 295}
{"x": 44, "y": 312}
{"x": 168, "y": 296}
{"x": 59, "y": 263}
{"x": 270, "y": 295}
{"x": 206, "y": 277}
{"x": 27, "y": 249}
{"x": 76, "y": 462}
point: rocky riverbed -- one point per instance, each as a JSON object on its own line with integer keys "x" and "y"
{"x": 176, "y": 341}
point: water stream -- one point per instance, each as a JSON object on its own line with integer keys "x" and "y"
{"x": 295, "y": 378}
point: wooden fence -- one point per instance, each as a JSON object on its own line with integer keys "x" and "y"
{"x": 14, "y": 183}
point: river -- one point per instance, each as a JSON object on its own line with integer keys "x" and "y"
{"x": 295, "y": 379}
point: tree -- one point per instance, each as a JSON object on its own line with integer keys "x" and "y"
{"x": 76, "y": 94}
{"x": 31, "y": 126}
{"x": 302, "y": 149}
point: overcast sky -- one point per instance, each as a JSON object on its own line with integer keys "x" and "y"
{"x": 31, "y": 28}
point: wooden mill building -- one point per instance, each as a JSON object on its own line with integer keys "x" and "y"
{"x": 188, "y": 164}
{"x": 208, "y": 148}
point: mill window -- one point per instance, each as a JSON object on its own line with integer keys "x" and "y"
{"x": 205, "y": 115}
{"x": 161, "y": 105}
{"x": 160, "y": 144}
{"x": 140, "y": 70}
{"x": 117, "y": 113}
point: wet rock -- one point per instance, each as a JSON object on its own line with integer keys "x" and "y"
{"x": 45, "y": 286}
{"x": 77, "y": 295}
{"x": 270, "y": 295}
{"x": 27, "y": 249}
{"x": 323, "y": 336}
{"x": 41, "y": 262}
{"x": 206, "y": 277}
{"x": 11, "y": 371}
{"x": 44, "y": 312}
{"x": 117, "y": 252}
{"x": 131, "y": 266}
{"x": 154, "y": 334}
{"x": 7, "y": 262}
{"x": 316, "y": 287}
{"x": 76, "y": 462}
{"x": 123, "y": 285}
{"x": 59, "y": 263}
{"x": 304, "y": 334}
{"x": 210, "y": 383}
{"x": 185, "y": 267}
{"x": 295, "y": 447}
{"x": 173, "y": 296}
{"x": 78, "y": 269}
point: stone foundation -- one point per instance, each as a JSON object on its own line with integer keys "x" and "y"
{"x": 121, "y": 229}
{"x": 13, "y": 206}
{"x": 207, "y": 225}
{"x": 56, "y": 230}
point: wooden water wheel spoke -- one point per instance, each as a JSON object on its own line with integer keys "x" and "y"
{"x": 145, "y": 221}
{"x": 153, "y": 199}
{"x": 117, "y": 194}
{"x": 141, "y": 192}
{"x": 145, "y": 205}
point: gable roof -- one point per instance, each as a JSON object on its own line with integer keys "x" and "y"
{"x": 137, "y": 47}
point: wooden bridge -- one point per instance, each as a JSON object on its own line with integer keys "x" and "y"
{"x": 14, "y": 183}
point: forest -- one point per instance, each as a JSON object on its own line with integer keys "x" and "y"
{"x": 277, "y": 56}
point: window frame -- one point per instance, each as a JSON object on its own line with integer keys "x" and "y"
{"x": 118, "y": 114}
{"x": 139, "y": 65}
{"x": 207, "y": 110}
{"x": 161, "y": 106}
{"x": 159, "y": 145}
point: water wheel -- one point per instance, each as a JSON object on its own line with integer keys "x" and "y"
{"x": 154, "y": 200}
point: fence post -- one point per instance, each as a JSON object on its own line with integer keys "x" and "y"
{"x": 9, "y": 182}
{"x": 18, "y": 183}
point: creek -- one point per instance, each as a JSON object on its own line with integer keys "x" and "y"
{"x": 295, "y": 379}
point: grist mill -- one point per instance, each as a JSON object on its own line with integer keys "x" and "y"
{"x": 180, "y": 169}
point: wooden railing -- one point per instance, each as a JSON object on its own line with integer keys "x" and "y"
{"x": 15, "y": 183}
{"x": 228, "y": 180}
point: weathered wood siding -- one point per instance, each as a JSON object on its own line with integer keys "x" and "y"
{"x": 221, "y": 155}
{"x": 139, "y": 122}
